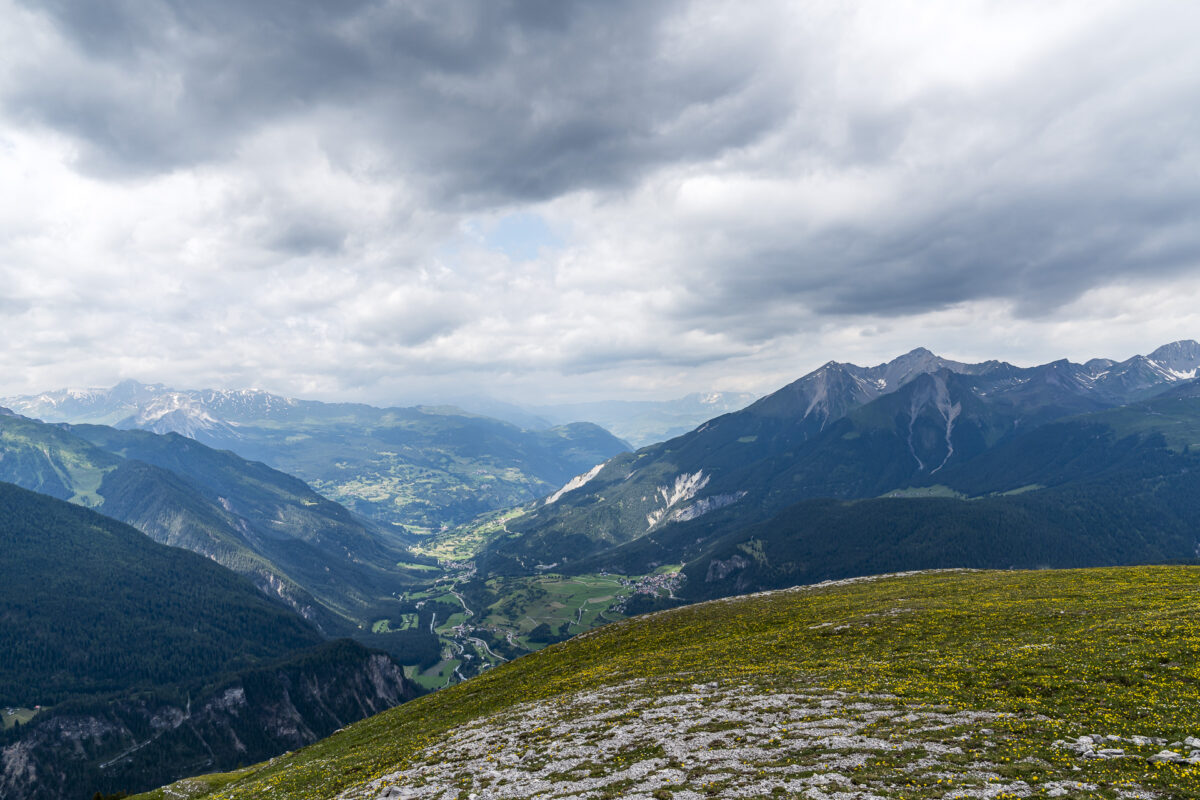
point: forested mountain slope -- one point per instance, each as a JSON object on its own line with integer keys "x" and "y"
{"x": 92, "y": 605}
{"x": 293, "y": 543}
{"x": 147, "y": 663}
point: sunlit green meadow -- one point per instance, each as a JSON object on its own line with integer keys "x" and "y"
{"x": 1058, "y": 653}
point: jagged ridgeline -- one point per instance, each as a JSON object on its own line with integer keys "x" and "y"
{"x": 1077, "y": 684}
{"x": 149, "y": 662}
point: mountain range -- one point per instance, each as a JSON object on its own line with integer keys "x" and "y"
{"x": 638, "y": 422}
{"x": 900, "y": 431}
{"x": 419, "y": 469}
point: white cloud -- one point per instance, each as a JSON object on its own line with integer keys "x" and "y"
{"x": 456, "y": 197}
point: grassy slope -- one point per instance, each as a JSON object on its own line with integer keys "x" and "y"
{"x": 49, "y": 460}
{"x": 1176, "y": 418}
{"x": 13, "y": 716}
{"x": 1060, "y": 653}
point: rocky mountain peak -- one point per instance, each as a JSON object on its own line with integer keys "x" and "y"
{"x": 1182, "y": 356}
{"x": 891, "y": 376}
{"x": 1099, "y": 365}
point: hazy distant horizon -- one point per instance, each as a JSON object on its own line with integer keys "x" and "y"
{"x": 472, "y": 399}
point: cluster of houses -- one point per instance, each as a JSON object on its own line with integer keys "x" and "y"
{"x": 10, "y": 712}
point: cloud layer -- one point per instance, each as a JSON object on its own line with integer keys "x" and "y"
{"x": 387, "y": 201}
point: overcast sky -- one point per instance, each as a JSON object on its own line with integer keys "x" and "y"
{"x": 396, "y": 201}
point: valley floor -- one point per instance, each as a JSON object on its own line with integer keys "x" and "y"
{"x": 483, "y": 633}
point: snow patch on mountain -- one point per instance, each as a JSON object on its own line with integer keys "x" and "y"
{"x": 177, "y": 412}
{"x": 170, "y": 403}
{"x": 575, "y": 483}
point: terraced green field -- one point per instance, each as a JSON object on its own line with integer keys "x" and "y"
{"x": 926, "y": 491}
{"x": 581, "y": 602}
{"x": 464, "y": 542}
{"x": 403, "y": 622}
{"x": 426, "y": 568}
{"x": 439, "y": 676}
{"x": 1076, "y": 684}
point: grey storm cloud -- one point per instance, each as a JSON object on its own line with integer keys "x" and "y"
{"x": 1040, "y": 250}
{"x": 498, "y": 100}
{"x": 712, "y": 184}
{"x": 1088, "y": 172}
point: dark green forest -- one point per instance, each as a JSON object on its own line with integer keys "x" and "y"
{"x": 91, "y": 605}
{"x": 1128, "y": 518}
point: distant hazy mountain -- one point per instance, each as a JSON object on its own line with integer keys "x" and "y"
{"x": 511, "y": 413}
{"x": 639, "y": 422}
{"x": 643, "y": 422}
{"x": 843, "y": 432}
{"x": 423, "y": 468}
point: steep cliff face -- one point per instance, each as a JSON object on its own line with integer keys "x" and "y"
{"x": 141, "y": 740}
